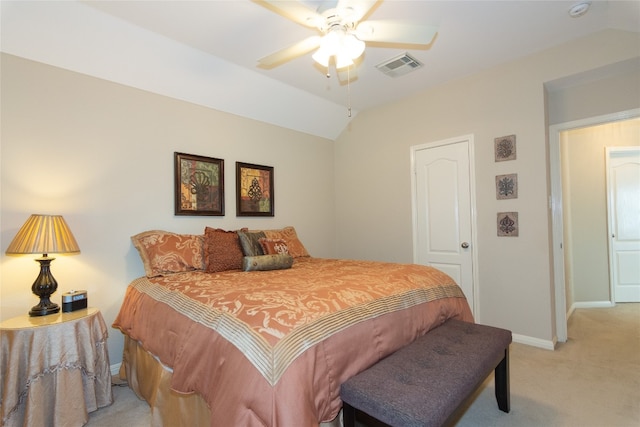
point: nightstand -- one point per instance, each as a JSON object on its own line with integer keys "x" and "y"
{"x": 54, "y": 369}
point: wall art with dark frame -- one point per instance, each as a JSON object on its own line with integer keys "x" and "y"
{"x": 254, "y": 190}
{"x": 199, "y": 185}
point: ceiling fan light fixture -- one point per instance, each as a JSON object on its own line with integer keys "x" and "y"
{"x": 353, "y": 46}
{"x": 329, "y": 46}
{"x": 344, "y": 46}
{"x": 343, "y": 60}
{"x": 331, "y": 42}
{"x": 321, "y": 57}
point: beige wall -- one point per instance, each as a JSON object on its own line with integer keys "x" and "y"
{"x": 101, "y": 154}
{"x": 585, "y": 206}
{"x": 588, "y": 94}
{"x": 373, "y": 197}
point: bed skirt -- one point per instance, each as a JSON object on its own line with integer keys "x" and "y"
{"x": 150, "y": 380}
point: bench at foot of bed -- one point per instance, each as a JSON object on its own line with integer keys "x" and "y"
{"x": 424, "y": 383}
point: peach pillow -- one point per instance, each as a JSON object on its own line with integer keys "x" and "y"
{"x": 222, "y": 250}
{"x": 164, "y": 253}
{"x": 296, "y": 248}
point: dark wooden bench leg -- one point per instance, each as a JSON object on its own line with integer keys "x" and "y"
{"x": 348, "y": 415}
{"x": 502, "y": 383}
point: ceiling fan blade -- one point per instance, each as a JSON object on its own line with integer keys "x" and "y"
{"x": 293, "y": 10}
{"x": 395, "y": 32}
{"x": 358, "y": 8}
{"x": 291, "y": 52}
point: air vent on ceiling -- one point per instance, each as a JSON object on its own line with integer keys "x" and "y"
{"x": 400, "y": 65}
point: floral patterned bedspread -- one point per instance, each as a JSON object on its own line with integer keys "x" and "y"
{"x": 274, "y": 317}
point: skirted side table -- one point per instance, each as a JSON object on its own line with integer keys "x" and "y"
{"x": 54, "y": 369}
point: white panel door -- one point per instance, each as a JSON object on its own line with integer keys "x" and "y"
{"x": 443, "y": 217}
{"x": 623, "y": 192}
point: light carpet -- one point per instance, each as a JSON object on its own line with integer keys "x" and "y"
{"x": 591, "y": 380}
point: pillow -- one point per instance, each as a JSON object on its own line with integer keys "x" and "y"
{"x": 163, "y": 252}
{"x": 249, "y": 241}
{"x": 296, "y": 248}
{"x": 222, "y": 250}
{"x": 267, "y": 262}
{"x": 274, "y": 246}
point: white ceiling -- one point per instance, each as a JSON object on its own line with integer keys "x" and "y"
{"x": 473, "y": 35}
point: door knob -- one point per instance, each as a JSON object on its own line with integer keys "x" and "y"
{"x": 464, "y": 245}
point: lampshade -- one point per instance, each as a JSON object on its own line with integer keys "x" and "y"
{"x": 44, "y": 234}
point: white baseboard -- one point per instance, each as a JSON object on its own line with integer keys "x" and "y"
{"x": 591, "y": 304}
{"x": 115, "y": 369}
{"x": 534, "y": 342}
{"x": 584, "y": 304}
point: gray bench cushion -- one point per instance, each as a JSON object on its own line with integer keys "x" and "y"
{"x": 424, "y": 383}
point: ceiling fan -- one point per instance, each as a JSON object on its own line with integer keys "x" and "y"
{"x": 342, "y": 32}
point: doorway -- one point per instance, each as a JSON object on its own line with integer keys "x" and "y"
{"x": 443, "y": 206}
{"x": 563, "y": 228}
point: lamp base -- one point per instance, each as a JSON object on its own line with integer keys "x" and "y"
{"x": 44, "y": 308}
{"x": 43, "y": 287}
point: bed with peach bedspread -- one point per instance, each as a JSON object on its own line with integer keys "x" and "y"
{"x": 271, "y": 348}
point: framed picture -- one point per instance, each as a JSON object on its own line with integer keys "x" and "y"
{"x": 505, "y": 148}
{"x": 254, "y": 190}
{"x": 508, "y": 224}
{"x": 507, "y": 186}
{"x": 199, "y": 185}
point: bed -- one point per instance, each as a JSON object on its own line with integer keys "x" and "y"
{"x": 269, "y": 341}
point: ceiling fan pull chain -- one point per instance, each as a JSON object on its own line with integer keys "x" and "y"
{"x": 349, "y": 90}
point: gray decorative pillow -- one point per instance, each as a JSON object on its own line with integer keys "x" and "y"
{"x": 267, "y": 262}
{"x": 249, "y": 240}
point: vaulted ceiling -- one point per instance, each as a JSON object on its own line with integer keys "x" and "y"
{"x": 206, "y": 51}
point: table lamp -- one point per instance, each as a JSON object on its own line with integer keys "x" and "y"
{"x": 44, "y": 234}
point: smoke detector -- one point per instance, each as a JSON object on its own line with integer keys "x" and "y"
{"x": 579, "y": 9}
{"x": 400, "y": 65}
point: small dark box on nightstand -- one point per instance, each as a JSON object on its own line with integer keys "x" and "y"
{"x": 74, "y": 300}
